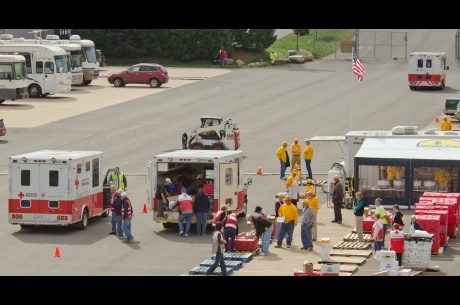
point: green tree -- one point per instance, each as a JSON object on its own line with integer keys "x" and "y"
{"x": 298, "y": 33}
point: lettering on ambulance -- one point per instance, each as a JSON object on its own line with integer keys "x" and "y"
{"x": 85, "y": 182}
{"x": 83, "y": 193}
{"x": 31, "y": 195}
{"x": 358, "y": 142}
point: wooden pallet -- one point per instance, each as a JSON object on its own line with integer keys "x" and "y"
{"x": 202, "y": 270}
{"x": 243, "y": 256}
{"x": 348, "y": 245}
{"x": 342, "y": 252}
{"x": 354, "y": 237}
{"x": 235, "y": 265}
{"x": 344, "y": 260}
{"x": 351, "y": 269}
{"x": 419, "y": 271}
{"x": 365, "y": 232}
{"x": 439, "y": 253}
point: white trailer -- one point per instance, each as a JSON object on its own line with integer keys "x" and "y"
{"x": 427, "y": 69}
{"x": 57, "y": 188}
{"x": 13, "y": 78}
{"x": 351, "y": 144}
{"x": 219, "y": 172}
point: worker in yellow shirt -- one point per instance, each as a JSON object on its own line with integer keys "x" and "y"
{"x": 282, "y": 156}
{"x": 291, "y": 217}
{"x": 308, "y": 156}
{"x": 391, "y": 174}
{"x": 446, "y": 125}
{"x": 313, "y": 202}
{"x": 442, "y": 178}
{"x": 310, "y": 187}
{"x": 296, "y": 151}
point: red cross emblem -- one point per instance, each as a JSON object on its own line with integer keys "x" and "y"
{"x": 77, "y": 182}
{"x": 21, "y": 195}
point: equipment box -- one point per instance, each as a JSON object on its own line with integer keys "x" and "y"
{"x": 208, "y": 189}
{"x": 246, "y": 243}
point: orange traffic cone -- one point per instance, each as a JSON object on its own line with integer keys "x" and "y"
{"x": 437, "y": 120}
{"x": 259, "y": 171}
{"x": 57, "y": 253}
{"x": 145, "y": 209}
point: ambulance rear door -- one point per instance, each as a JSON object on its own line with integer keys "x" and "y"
{"x": 55, "y": 185}
{"x": 228, "y": 185}
{"x": 24, "y": 187}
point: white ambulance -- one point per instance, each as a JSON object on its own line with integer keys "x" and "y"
{"x": 427, "y": 69}
{"x": 58, "y": 188}
{"x": 219, "y": 172}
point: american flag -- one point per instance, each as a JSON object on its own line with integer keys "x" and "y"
{"x": 358, "y": 67}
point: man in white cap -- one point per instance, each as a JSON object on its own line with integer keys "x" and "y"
{"x": 161, "y": 196}
{"x": 126, "y": 217}
{"x": 308, "y": 156}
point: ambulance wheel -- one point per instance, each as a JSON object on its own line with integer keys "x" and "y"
{"x": 217, "y": 146}
{"x": 84, "y": 221}
{"x": 196, "y": 145}
{"x": 167, "y": 225}
{"x": 349, "y": 206}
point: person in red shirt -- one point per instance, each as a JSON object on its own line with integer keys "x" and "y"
{"x": 397, "y": 242}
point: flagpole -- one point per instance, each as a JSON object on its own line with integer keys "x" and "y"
{"x": 351, "y": 95}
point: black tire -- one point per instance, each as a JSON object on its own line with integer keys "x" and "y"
{"x": 1, "y": 101}
{"x": 118, "y": 82}
{"x": 196, "y": 145}
{"x": 84, "y": 221}
{"x": 217, "y": 146}
{"x": 35, "y": 91}
{"x": 349, "y": 206}
{"x": 87, "y": 82}
{"x": 154, "y": 83}
{"x": 168, "y": 225}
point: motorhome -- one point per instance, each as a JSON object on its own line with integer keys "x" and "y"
{"x": 90, "y": 63}
{"x": 73, "y": 50}
{"x": 13, "y": 78}
{"x": 47, "y": 67}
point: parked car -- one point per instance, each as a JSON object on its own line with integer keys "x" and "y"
{"x": 101, "y": 58}
{"x": 450, "y": 106}
{"x": 2, "y": 128}
{"x": 151, "y": 74}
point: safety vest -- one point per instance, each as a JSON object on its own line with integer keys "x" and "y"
{"x": 185, "y": 203}
{"x": 130, "y": 209}
{"x": 219, "y": 217}
{"x": 119, "y": 180}
{"x": 112, "y": 196}
{"x": 232, "y": 222}
{"x": 397, "y": 241}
